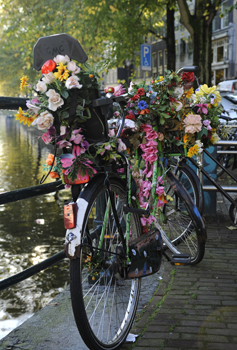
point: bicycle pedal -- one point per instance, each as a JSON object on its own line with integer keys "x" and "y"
{"x": 180, "y": 259}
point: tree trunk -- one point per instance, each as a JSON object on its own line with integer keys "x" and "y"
{"x": 170, "y": 38}
{"x": 199, "y": 26}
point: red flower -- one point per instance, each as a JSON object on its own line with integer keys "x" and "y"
{"x": 188, "y": 77}
{"x": 176, "y": 138}
{"x": 141, "y": 92}
{"x": 172, "y": 99}
{"x": 142, "y": 126}
{"x": 135, "y": 97}
{"x": 130, "y": 116}
{"x": 48, "y": 67}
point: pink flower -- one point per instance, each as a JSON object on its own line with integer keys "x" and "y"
{"x": 151, "y": 158}
{"x": 111, "y": 133}
{"x": 64, "y": 143}
{"x": 147, "y": 128}
{"x": 192, "y": 123}
{"x": 202, "y": 108}
{"x": 160, "y": 180}
{"x": 146, "y": 188}
{"x": 119, "y": 90}
{"x": 159, "y": 190}
{"x": 76, "y": 136}
{"x": 151, "y": 135}
{"x": 121, "y": 146}
{"x": 47, "y": 138}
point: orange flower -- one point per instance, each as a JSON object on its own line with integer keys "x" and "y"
{"x": 49, "y": 161}
{"x": 91, "y": 75}
{"x": 162, "y": 198}
{"x": 144, "y": 111}
{"x": 53, "y": 174}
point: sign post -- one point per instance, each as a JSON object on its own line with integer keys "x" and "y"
{"x": 146, "y": 57}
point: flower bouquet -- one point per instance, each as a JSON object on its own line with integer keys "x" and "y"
{"x": 61, "y": 104}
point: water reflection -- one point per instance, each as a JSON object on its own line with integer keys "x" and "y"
{"x": 24, "y": 242}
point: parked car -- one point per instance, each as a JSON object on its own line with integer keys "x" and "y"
{"x": 227, "y": 86}
{"x": 229, "y": 104}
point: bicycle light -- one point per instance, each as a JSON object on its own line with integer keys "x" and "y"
{"x": 70, "y": 215}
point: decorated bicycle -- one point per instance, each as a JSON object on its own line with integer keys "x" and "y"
{"x": 125, "y": 217}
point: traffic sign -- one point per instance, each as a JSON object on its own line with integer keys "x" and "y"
{"x": 145, "y": 57}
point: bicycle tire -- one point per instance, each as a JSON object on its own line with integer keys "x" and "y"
{"x": 183, "y": 226}
{"x": 189, "y": 179}
{"x": 104, "y": 310}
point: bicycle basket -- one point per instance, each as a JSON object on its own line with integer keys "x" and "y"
{"x": 95, "y": 129}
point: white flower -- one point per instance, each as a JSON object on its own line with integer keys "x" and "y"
{"x": 62, "y": 59}
{"x": 71, "y": 66}
{"x": 44, "y": 121}
{"x": 200, "y": 145}
{"x": 41, "y": 86}
{"x": 128, "y": 123}
{"x": 76, "y": 71}
{"x": 48, "y": 78}
{"x": 73, "y": 82}
{"x": 178, "y": 92}
{"x": 55, "y": 100}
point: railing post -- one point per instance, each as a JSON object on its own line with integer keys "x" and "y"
{"x": 211, "y": 168}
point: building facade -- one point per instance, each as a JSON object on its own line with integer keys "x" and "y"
{"x": 224, "y": 50}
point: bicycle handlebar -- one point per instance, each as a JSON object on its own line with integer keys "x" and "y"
{"x": 188, "y": 69}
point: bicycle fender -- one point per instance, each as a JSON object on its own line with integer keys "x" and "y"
{"x": 73, "y": 236}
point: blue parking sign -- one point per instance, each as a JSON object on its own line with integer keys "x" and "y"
{"x": 145, "y": 57}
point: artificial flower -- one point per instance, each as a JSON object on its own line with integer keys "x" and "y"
{"x": 24, "y": 82}
{"x": 192, "y": 123}
{"x": 44, "y": 121}
{"x": 55, "y": 100}
{"x": 73, "y": 83}
{"x": 24, "y": 118}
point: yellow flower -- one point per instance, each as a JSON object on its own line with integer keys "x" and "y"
{"x": 186, "y": 138}
{"x": 204, "y": 89}
{"x": 189, "y": 93}
{"x": 24, "y": 118}
{"x": 23, "y": 82}
{"x": 91, "y": 75}
{"x": 161, "y": 78}
{"x": 215, "y": 138}
{"x": 62, "y": 73}
{"x": 192, "y": 151}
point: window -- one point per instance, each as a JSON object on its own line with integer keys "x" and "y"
{"x": 154, "y": 63}
{"x": 225, "y": 19}
{"x": 165, "y": 59}
{"x": 160, "y": 62}
{"x": 219, "y": 75}
{"x": 220, "y": 53}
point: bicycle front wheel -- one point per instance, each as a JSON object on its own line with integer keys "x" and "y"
{"x": 104, "y": 304}
{"x": 183, "y": 226}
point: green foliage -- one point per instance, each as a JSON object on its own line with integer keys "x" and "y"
{"x": 109, "y": 31}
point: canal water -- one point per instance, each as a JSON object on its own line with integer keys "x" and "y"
{"x": 23, "y": 241}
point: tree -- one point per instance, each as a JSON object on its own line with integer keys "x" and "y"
{"x": 199, "y": 25}
{"x": 109, "y": 31}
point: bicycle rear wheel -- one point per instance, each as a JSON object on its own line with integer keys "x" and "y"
{"x": 183, "y": 226}
{"x": 104, "y": 305}
{"x": 191, "y": 183}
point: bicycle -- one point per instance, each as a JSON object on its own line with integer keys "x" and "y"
{"x": 112, "y": 255}
{"x": 108, "y": 252}
{"x": 228, "y": 160}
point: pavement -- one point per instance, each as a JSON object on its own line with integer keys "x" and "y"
{"x": 191, "y": 307}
